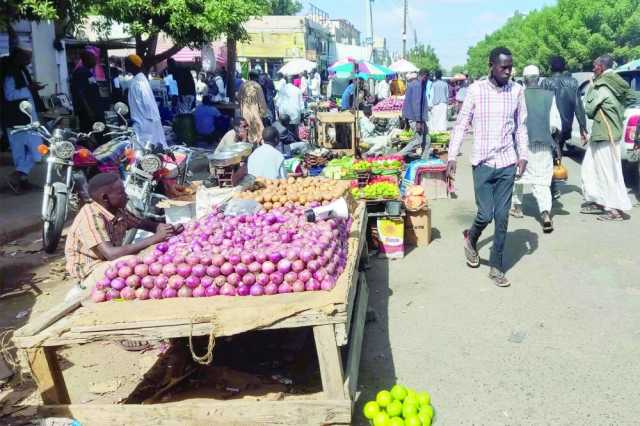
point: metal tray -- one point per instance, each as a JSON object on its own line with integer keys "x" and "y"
{"x": 224, "y": 158}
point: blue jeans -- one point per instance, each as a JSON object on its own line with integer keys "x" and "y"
{"x": 493, "y": 188}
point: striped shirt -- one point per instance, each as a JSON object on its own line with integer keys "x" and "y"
{"x": 439, "y": 93}
{"x": 93, "y": 226}
{"x": 498, "y": 117}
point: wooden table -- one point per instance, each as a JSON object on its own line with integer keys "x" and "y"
{"x": 337, "y": 118}
{"x": 39, "y": 339}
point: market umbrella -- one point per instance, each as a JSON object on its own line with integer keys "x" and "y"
{"x": 459, "y": 77}
{"x": 629, "y": 66}
{"x": 403, "y": 66}
{"x": 348, "y": 68}
{"x": 297, "y": 66}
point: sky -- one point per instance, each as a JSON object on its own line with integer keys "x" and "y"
{"x": 450, "y": 26}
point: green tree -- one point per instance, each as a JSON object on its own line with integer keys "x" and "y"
{"x": 424, "y": 57}
{"x": 284, "y": 7}
{"x": 457, "y": 69}
{"x": 579, "y": 30}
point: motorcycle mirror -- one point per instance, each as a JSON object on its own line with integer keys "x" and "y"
{"x": 121, "y": 108}
{"x": 98, "y": 127}
{"x": 25, "y": 107}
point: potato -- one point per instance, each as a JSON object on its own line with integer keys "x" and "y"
{"x": 267, "y": 206}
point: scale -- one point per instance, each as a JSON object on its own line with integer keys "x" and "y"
{"x": 229, "y": 166}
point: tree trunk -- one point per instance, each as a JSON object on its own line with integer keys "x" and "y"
{"x": 231, "y": 68}
{"x": 146, "y": 49}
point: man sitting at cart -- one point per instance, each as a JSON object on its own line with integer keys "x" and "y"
{"x": 97, "y": 233}
{"x": 266, "y": 161}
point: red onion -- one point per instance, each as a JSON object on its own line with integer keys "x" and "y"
{"x": 178, "y": 259}
{"x": 276, "y": 277}
{"x": 118, "y": 284}
{"x": 155, "y": 268}
{"x": 111, "y": 273}
{"x": 163, "y": 247}
{"x": 268, "y": 267}
{"x": 227, "y": 269}
{"x": 241, "y": 269}
{"x": 205, "y": 260}
{"x": 121, "y": 263}
{"x": 184, "y": 270}
{"x": 261, "y": 257}
{"x": 112, "y": 293}
{"x": 262, "y": 279}
{"x": 142, "y": 293}
{"x": 169, "y": 269}
{"x": 304, "y": 275}
{"x": 271, "y": 289}
{"x": 199, "y": 291}
{"x": 233, "y": 279}
{"x": 148, "y": 282}
{"x": 212, "y": 291}
{"x": 313, "y": 265}
{"x": 320, "y": 274}
{"x": 133, "y": 281}
{"x": 141, "y": 270}
{"x": 198, "y": 270}
{"x": 213, "y": 271}
{"x": 125, "y": 271}
{"x": 284, "y": 266}
{"x": 285, "y": 288}
{"x": 192, "y": 259}
{"x": 275, "y": 256}
{"x": 185, "y": 292}
{"x": 255, "y": 267}
{"x": 192, "y": 281}
{"x": 206, "y": 281}
{"x": 297, "y": 265}
{"x": 247, "y": 258}
{"x": 149, "y": 259}
{"x": 103, "y": 283}
{"x": 243, "y": 290}
{"x": 234, "y": 259}
{"x": 256, "y": 290}
{"x": 161, "y": 282}
{"x": 98, "y": 295}
{"x": 312, "y": 285}
{"x": 175, "y": 282}
{"x": 228, "y": 290}
{"x": 155, "y": 293}
{"x": 249, "y": 279}
{"x": 217, "y": 260}
{"x": 298, "y": 286}
{"x": 128, "y": 293}
{"x": 169, "y": 293}
{"x": 133, "y": 261}
{"x": 327, "y": 284}
{"x": 290, "y": 277}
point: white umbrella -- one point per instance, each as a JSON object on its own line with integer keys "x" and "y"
{"x": 403, "y": 66}
{"x": 297, "y": 66}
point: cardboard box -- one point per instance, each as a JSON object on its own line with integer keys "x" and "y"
{"x": 417, "y": 228}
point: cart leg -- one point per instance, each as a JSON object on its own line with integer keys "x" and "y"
{"x": 330, "y": 362}
{"x": 357, "y": 335}
{"x": 48, "y": 376}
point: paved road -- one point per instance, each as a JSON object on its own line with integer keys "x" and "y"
{"x": 561, "y": 346}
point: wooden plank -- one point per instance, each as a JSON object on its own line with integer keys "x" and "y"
{"x": 47, "y": 318}
{"x": 227, "y": 413}
{"x": 48, "y": 376}
{"x": 357, "y": 335}
{"x": 330, "y": 362}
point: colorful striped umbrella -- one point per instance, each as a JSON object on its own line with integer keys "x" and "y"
{"x": 347, "y": 67}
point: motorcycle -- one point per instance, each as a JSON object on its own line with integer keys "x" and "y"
{"x": 63, "y": 159}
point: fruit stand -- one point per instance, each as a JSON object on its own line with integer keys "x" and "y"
{"x": 336, "y": 318}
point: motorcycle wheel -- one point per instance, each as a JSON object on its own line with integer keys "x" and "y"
{"x": 53, "y": 225}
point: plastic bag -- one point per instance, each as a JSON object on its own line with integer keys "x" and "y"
{"x": 242, "y": 207}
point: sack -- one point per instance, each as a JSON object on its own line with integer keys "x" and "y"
{"x": 560, "y": 172}
{"x": 391, "y": 235}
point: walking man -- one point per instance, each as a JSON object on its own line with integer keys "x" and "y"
{"x": 186, "y": 86}
{"x": 416, "y": 109}
{"x": 543, "y": 119}
{"x": 569, "y": 104}
{"x": 85, "y": 93}
{"x": 602, "y": 181}
{"x": 439, "y": 103}
{"x": 496, "y": 110}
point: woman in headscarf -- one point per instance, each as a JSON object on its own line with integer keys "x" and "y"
{"x": 253, "y": 106}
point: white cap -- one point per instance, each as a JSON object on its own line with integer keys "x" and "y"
{"x": 531, "y": 71}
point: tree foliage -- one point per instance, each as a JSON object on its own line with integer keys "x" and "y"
{"x": 284, "y": 7}
{"x": 424, "y": 57}
{"x": 579, "y": 30}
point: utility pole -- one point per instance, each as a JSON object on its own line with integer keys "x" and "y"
{"x": 404, "y": 31}
{"x": 415, "y": 38}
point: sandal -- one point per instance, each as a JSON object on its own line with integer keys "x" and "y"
{"x": 610, "y": 217}
{"x": 591, "y": 209}
{"x": 134, "y": 345}
{"x": 516, "y": 212}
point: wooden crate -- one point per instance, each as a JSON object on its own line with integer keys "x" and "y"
{"x": 332, "y": 328}
{"x": 344, "y": 118}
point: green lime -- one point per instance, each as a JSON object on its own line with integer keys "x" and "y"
{"x": 384, "y": 398}
{"x": 381, "y": 419}
{"x": 410, "y": 400}
{"x": 427, "y": 409}
{"x": 424, "y": 398}
{"x": 395, "y": 408}
{"x": 397, "y": 421}
{"x": 370, "y": 409}
{"x": 412, "y": 421}
{"x": 411, "y": 392}
{"x": 409, "y": 410}
{"x": 399, "y": 392}
{"x": 425, "y": 418}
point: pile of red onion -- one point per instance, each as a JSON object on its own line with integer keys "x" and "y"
{"x": 253, "y": 255}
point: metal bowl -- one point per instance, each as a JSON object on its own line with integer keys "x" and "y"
{"x": 243, "y": 149}
{"x": 224, "y": 158}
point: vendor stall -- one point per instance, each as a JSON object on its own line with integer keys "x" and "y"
{"x": 335, "y": 312}
{"x": 338, "y": 131}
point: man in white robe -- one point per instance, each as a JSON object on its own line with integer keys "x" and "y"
{"x": 142, "y": 105}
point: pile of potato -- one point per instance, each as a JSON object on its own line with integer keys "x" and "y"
{"x": 274, "y": 193}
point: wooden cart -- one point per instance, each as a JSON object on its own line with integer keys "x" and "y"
{"x": 332, "y": 328}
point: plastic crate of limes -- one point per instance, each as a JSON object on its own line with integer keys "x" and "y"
{"x": 399, "y": 407}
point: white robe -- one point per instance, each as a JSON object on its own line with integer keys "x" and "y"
{"x": 538, "y": 174}
{"x": 438, "y": 118}
{"x": 602, "y": 180}
{"x": 290, "y": 102}
{"x": 144, "y": 112}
